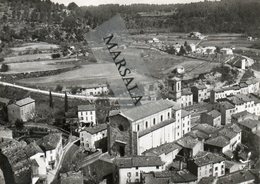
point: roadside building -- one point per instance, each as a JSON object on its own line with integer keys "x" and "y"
{"x": 87, "y": 114}
{"x": 21, "y": 110}
{"x": 241, "y": 116}
{"x": 132, "y": 131}
{"x": 206, "y": 164}
{"x": 94, "y": 137}
{"x": 186, "y": 98}
{"x": 169, "y": 177}
{"x": 185, "y": 123}
{"x": 94, "y": 90}
{"x": 190, "y": 147}
{"x": 226, "y": 109}
{"x": 167, "y": 152}
{"x": 226, "y": 51}
{"x": 129, "y": 169}
{"x": 249, "y": 127}
{"x": 212, "y": 118}
{"x": 200, "y": 93}
{"x": 52, "y": 147}
{"x": 238, "y": 177}
{"x": 232, "y": 166}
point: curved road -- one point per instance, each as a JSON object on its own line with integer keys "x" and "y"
{"x": 89, "y": 98}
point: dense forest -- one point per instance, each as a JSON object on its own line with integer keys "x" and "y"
{"x": 47, "y": 21}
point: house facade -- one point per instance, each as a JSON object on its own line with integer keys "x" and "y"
{"x": 21, "y": 110}
{"x": 87, "y": 114}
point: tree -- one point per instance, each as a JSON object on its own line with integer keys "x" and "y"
{"x": 66, "y": 105}
{"x": 19, "y": 124}
{"x": 51, "y": 100}
{"x": 4, "y": 68}
{"x": 72, "y": 6}
{"x": 58, "y": 88}
{"x": 182, "y": 51}
{"x": 1, "y": 59}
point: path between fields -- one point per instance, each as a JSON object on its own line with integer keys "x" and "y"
{"x": 89, "y": 98}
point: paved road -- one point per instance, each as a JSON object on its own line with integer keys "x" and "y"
{"x": 88, "y": 98}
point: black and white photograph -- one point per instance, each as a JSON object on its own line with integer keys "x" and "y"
{"x": 129, "y": 91}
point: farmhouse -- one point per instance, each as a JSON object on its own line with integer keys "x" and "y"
{"x": 21, "y": 110}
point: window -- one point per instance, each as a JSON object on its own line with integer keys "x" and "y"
{"x": 183, "y": 132}
{"x": 168, "y": 115}
{"x": 222, "y": 166}
{"x": 157, "y": 167}
{"x": 161, "y": 117}
{"x": 136, "y": 168}
{"x": 138, "y": 127}
{"x": 216, "y": 168}
{"x": 120, "y": 127}
{"x": 154, "y": 121}
{"x": 82, "y": 118}
{"x": 137, "y": 180}
{"x": 91, "y": 112}
{"x": 146, "y": 124}
{"x": 129, "y": 174}
{"x": 136, "y": 174}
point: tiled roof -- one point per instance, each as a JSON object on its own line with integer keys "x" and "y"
{"x": 241, "y": 176}
{"x": 186, "y": 91}
{"x": 24, "y": 101}
{"x": 244, "y": 98}
{"x": 255, "y": 98}
{"x": 198, "y": 134}
{"x": 227, "y": 105}
{"x": 184, "y": 113}
{"x": 182, "y": 176}
{"x": 156, "y": 127}
{"x": 164, "y": 148}
{"x": 96, "y": 129}
{"x": 206, "y": 128}
{"x": 249, "y": 123}
{"x": 149, "y": 109}
{"x": 138, "y": 161}
{"x": 90, "y": 107}
{"x": 214, "y": 113}
{"x": 49, "y": 142}
{"x": 204, "y": 158}
{"x": 235, "y": 100}
{"x": 219, "y": 141}
{"x": 187, "y": 142}
{"x": 241, "y": 114}
{"x": 243, "y": 85}
{"x": 230, "y": 134}
{"x": 32, "y": 149}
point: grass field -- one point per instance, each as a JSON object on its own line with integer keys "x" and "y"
{"x": 33, "y": 46}
{"x": 31, "y": 57}
{"x": 28, "y": 67}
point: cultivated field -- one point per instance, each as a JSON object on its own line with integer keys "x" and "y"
{"x": 33, "y": 46}
{"x": 29, "y": 57}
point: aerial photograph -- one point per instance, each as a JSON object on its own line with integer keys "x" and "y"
{"x": 129, "y": 91}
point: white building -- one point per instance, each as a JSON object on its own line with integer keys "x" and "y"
{"x": 87, "y": 114}
{"x": 52, "y": 146}
{"x": 94, "y": 90}
{"x": 129, "y": 169}
{"x": 226, "y": 51}
{"x": 140, "y": 128}
{"x": 206, "y": 164}
{"x": 89, "y": 136}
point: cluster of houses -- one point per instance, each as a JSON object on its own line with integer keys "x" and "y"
{"x": 164, "y": 141}
{"x": 158, "y": 142}
{"x": 30, "y": 163}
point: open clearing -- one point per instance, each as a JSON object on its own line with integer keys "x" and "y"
{"x": 31, "y": 57}
{"x": 15, "y": 68}
{"x": 33, "y": 46}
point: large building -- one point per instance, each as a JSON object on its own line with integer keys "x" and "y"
{"x": 200, "y": 93}
{"x": 129, "y": 169}
{"x": 135, "y": 130}
{"x": 21, "y": 110}
{"x": 87, "y": 114}
{"x": 206, "y": 164}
